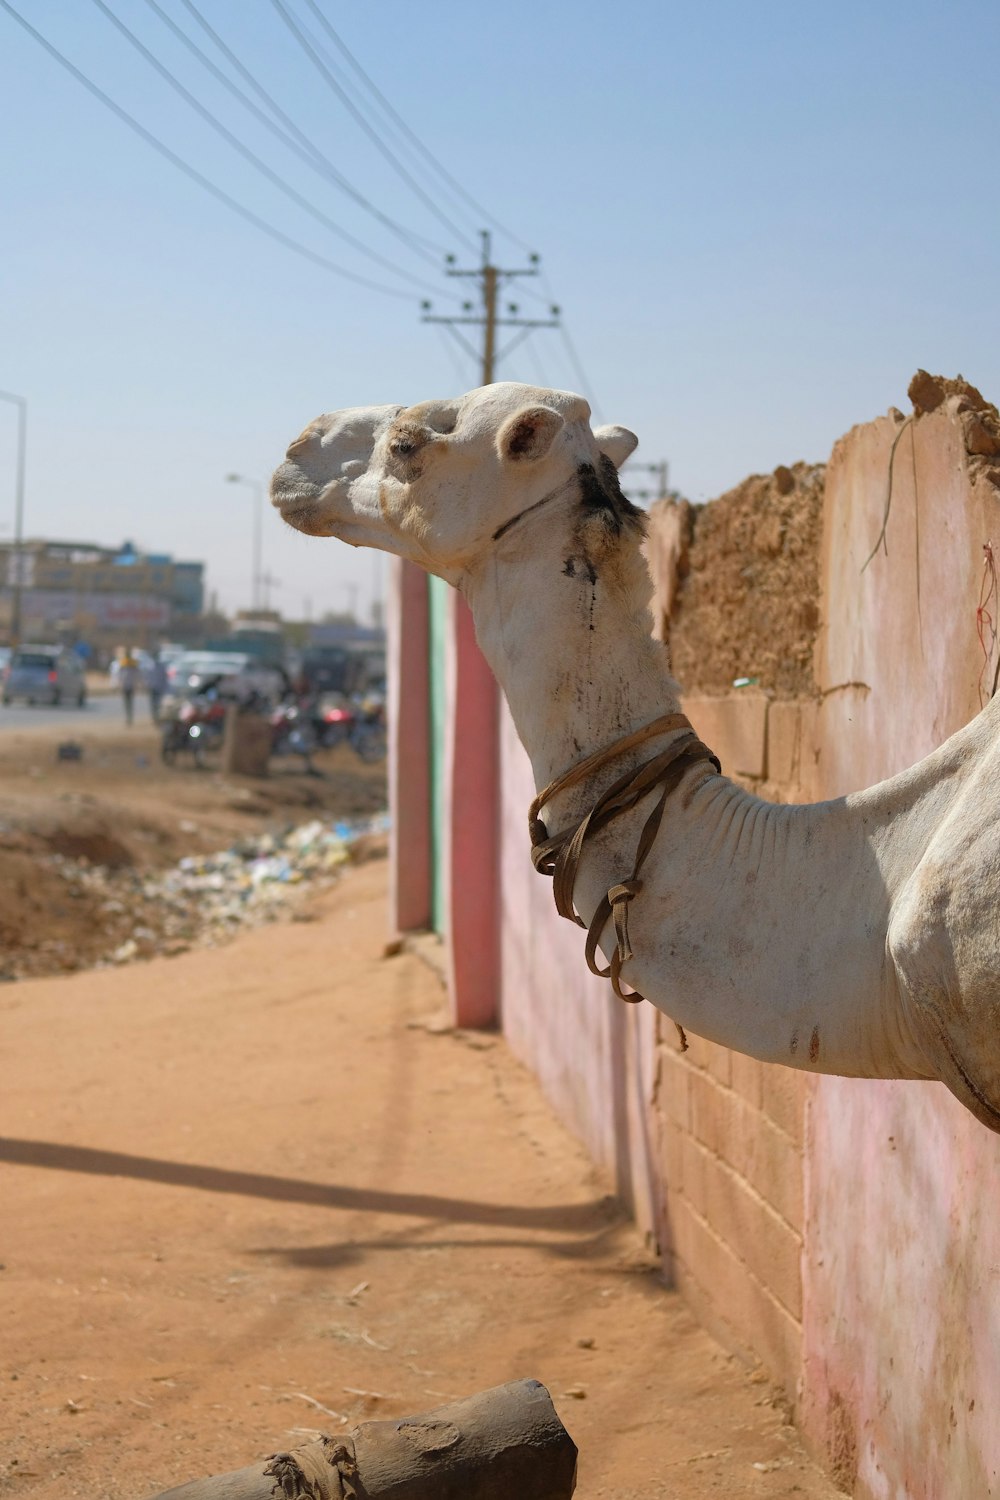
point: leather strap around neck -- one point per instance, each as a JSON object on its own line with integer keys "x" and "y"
{"x": 560, "y": 854}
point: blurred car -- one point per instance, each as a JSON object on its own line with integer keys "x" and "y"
{"x": 45, "y": 674}
{"x": 230, "y": 674}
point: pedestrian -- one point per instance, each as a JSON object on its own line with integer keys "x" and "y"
{"x": 128, "y": 680}
{"x": 157, "y": 682}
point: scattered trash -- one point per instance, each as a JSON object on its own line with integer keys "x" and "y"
{"x": 206, "y": 898}
{"x": 742, "y": 682}
{"x": 69, "y": 750}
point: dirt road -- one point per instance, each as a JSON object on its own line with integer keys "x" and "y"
{"x": 248, "y": 1193}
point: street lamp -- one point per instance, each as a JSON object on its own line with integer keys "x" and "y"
{"x": 258, "y": 502}
{"x": 16, "y": 581}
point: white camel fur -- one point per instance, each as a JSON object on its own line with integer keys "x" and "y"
{"x": 859, "y": 936}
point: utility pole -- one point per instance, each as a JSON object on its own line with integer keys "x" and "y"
{"x": 265, "y": 583}
{"x": 661, "y": 471}
{"x": 491, "y": 278}
{"x": 16, "y": 579}
{"x": 258, "y": 503}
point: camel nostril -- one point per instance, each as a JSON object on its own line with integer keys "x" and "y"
{"x": 305, "y": 439}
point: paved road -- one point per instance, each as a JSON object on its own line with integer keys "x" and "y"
{"x": 99, "y": 713}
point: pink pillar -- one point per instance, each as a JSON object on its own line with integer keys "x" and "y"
{"x": 472, "y": 872}
{"x": 409, "y": 749}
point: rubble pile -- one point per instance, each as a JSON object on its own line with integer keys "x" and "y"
{"x": 205, "y": 899}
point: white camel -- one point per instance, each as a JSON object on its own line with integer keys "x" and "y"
{"x": 859, "y": 936}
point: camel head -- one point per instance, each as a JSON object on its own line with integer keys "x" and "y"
{"x": 439, "y": 483}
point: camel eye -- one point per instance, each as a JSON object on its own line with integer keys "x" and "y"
{"x": 403, "y": 446}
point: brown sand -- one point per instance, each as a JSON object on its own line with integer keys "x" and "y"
{"x": 248, "y": 1192}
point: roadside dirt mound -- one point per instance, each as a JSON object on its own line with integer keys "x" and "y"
{"x": 746, "y": 599}
{"x": 80, "y": 840}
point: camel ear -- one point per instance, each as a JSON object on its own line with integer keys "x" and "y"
{"x": 529, "y": 433}
{"x": 616, "y": 443}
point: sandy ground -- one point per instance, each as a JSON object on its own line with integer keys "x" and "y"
{"x": 251, "y": 1192}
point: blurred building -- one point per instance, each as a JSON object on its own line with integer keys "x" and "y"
{"x": 105, "y": 596}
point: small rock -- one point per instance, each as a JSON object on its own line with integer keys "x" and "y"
{"x": 585, "y": 1343}
{"x": 925, "y": 391}
{"x": 980, "y": 439}
{"x": 577, "y": 1392}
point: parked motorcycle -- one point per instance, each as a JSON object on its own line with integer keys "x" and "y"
{"x": 195, "y": 726}
{"x": 368, "y": 736}
{"x": 294, "y": 732}
{"x": 359, "y": 723}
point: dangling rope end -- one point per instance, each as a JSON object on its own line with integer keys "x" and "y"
{"x": 620, "y": 896}
{"x": 538, "y": 832}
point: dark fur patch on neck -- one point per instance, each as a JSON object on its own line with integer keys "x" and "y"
{"x": 601, "y": 494}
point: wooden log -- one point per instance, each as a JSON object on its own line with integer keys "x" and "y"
{"x": 496, "y": 1445}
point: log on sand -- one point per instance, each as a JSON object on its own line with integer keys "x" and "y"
{"x": 500, "y": 1443}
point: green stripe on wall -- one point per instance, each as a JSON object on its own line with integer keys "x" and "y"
{"x": 437, "y": 615}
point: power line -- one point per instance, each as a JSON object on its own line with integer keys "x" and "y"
{"x": 192, "y": 172}
{"x": 586, "y": 389}
{"x": 416, "y": 241}
{"x": 459, "y": 368}
{"x": 534, "y": 350}
{"x": 410, "y": 134}
{"x": 251, "y": 156}
{"x": 369, "y": 130}
{"x": 308, "y": 155}
{"x": 585, "y": 386}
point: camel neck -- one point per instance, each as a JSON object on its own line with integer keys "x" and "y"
{"x": 568, "y": 639}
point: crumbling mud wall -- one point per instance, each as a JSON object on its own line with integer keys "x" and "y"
{"x": 737, "y": 582}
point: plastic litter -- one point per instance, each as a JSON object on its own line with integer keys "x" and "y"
{"x": 205, "y": 898}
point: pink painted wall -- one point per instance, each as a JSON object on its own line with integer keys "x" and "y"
{"x": 409, "y": 749}
{"x": 901, "y": 1323}
{"x": 471, "y": 758}
{"x": 472, "y": 777}
{"x": 594, "y": 1056}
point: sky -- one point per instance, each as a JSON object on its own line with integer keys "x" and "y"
{"x": 757, "y": 220}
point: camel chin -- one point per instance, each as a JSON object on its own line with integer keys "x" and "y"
{"x": 310, "y": 518}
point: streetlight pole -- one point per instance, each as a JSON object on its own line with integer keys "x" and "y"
{"x": 16, "y": 581}
{"x": 258, "y": 504}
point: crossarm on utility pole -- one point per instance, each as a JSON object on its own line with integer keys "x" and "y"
{"x": 491, "y": 277}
